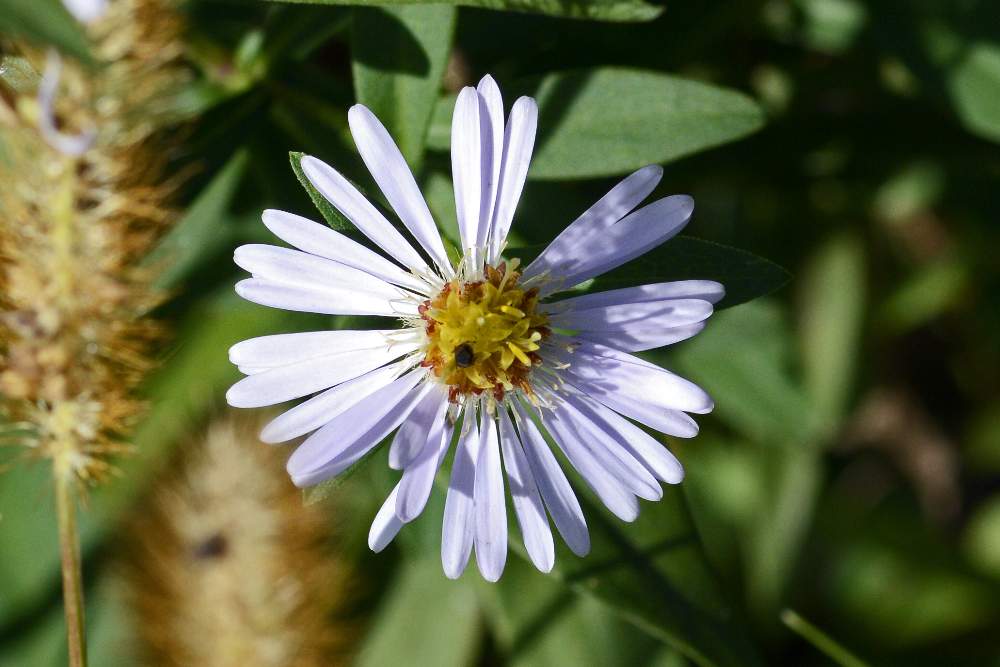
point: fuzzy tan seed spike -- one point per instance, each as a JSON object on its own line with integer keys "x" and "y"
{"x": 228, "y": 567}
{"x": 75, "y": 336}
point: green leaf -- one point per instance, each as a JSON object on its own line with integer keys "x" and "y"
{"x": 605, "y": 10}
{"x": 398, "y": 58}
{"x": 974, "y": 84}
{"x": 744, "y": 275}
{"x": 653, "y": 573}
{"x": 741, "y": 359}
{"x": 425, "y": 620}
{"x": 608, "y": 121}
{"x": 201, "y": 231}
{"x": 539, "y": 622}
{"x": 832, "y": 311}
{"x": 45, "y": 22}
{"x": 333, "y": 217}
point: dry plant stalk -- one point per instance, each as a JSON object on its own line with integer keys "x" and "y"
{"x": 75, "y": 336}
{"x": 228, "y": 567}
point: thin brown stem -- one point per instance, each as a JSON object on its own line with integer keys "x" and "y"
{"x": 69, "y": 550}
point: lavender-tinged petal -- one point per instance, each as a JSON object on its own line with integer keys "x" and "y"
{"x": 571, "y": 423}
{"x": 528, "y": 505}
{"x": 492, "y": 140}
{"x": 418, "y": 478}
{"x": 653, "y": 455}
{"x": 394, "y": 178}
{"x": 706, "y": 290}
{"x": 386, "y": 525}
{"x": 457, "y": 528}
{"x": 640, "y": 339}
{"x": 318, "y": 239}
{"x": 560, "y": 500}
{"x": 490, "y": 509}
{"x": 322, "y": 299}
{"x": 519, "y": 140}
{"x": 466, "y": 166}
{"x": 414, "y": 434}
{"x": 353, "y": 433}
{"x": 356, "y": 208}
{"x": 634, "y": 235}
{"x": 306, "y": 377}
{"x": 612, "y": 492}
{"x": 598, "y": 368}
{"x": 664, "y": 314}
{"x": 284, "y": 349}
{"x": 608, "y": 210}
{"x": 321, "y": 408}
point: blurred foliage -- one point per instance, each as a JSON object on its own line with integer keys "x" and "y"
{"x": 850, "y": 469}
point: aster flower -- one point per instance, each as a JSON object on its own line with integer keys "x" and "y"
{"x": 487, "y": 356}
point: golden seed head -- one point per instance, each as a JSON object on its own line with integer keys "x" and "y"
{"x": 483, "y": 336}
{"x": 226, "y": 566}
{"x": 75, "y": 336}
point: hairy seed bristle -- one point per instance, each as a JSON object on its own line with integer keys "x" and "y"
{"x": 75, "y": 332}
{"x": 228, "y": 568}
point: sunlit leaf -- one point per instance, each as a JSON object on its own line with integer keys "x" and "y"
{"x": 44, "y": 22}
{"x": 608, "y": 121}
{"x": 398, "y": 57}
{"x": 606, "y": 10}
{"x": 425, "y": 619}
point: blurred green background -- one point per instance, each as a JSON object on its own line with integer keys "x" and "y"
{"x": 851, "y": 470}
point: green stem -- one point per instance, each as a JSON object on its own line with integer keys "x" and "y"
{"x": 69, "y": 550}
{"x": 820, "y": 640}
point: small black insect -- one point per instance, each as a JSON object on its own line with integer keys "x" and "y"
{"x": 464, "y": 356}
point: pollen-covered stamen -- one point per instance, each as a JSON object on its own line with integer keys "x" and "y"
{"x": 483, "y": 335}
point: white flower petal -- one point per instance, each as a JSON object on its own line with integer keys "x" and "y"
{"x": 671, "y": 422}
{"x": 706, "y": 290}
{"x": 571, "y": 424}
{"x": 457, "y": 527}
{"x": 394, "y": 177}
{"x": 608, "y": 210}
{"x": 283, "y": 349}
{"x": 519, "y": 140}
{"x": 356, "y": 208}
{"x": 353, "y": 433}
{"x": 657, "y": 458}
{"x": 318, "y": 239}
{"x": 415, "y": 433}
{"x": 490, "y": 509}
{"x": 306, "y": 377}
{"x": 560, "y": 500}
{"x": 492, "y": 141}
{"x": 322, "y": 299}
{"x": 528, "y": 505}
{"x": 466, "y": 166}
{"x": 418, "y": 478}
{"x": 637, "y": 339}
{"x": 608, "y": 487}
{"x": 634, "y": 235}
{"x": 601, "y": 370}
{"x": 321, "y": 408}
{"x": 386, "y": 525}
{"x": 664, "y": 314}
{"x": 294, "y": 267}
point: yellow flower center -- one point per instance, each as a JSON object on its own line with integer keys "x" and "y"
{"x": 483, "y": 335}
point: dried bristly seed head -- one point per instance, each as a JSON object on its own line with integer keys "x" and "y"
{"x": 227, "y": 567}
{"x": 75, "y": 338}
{"x": 483, "y": 335}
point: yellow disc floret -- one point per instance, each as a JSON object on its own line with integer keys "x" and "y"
{"x": 483, "y": 335}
